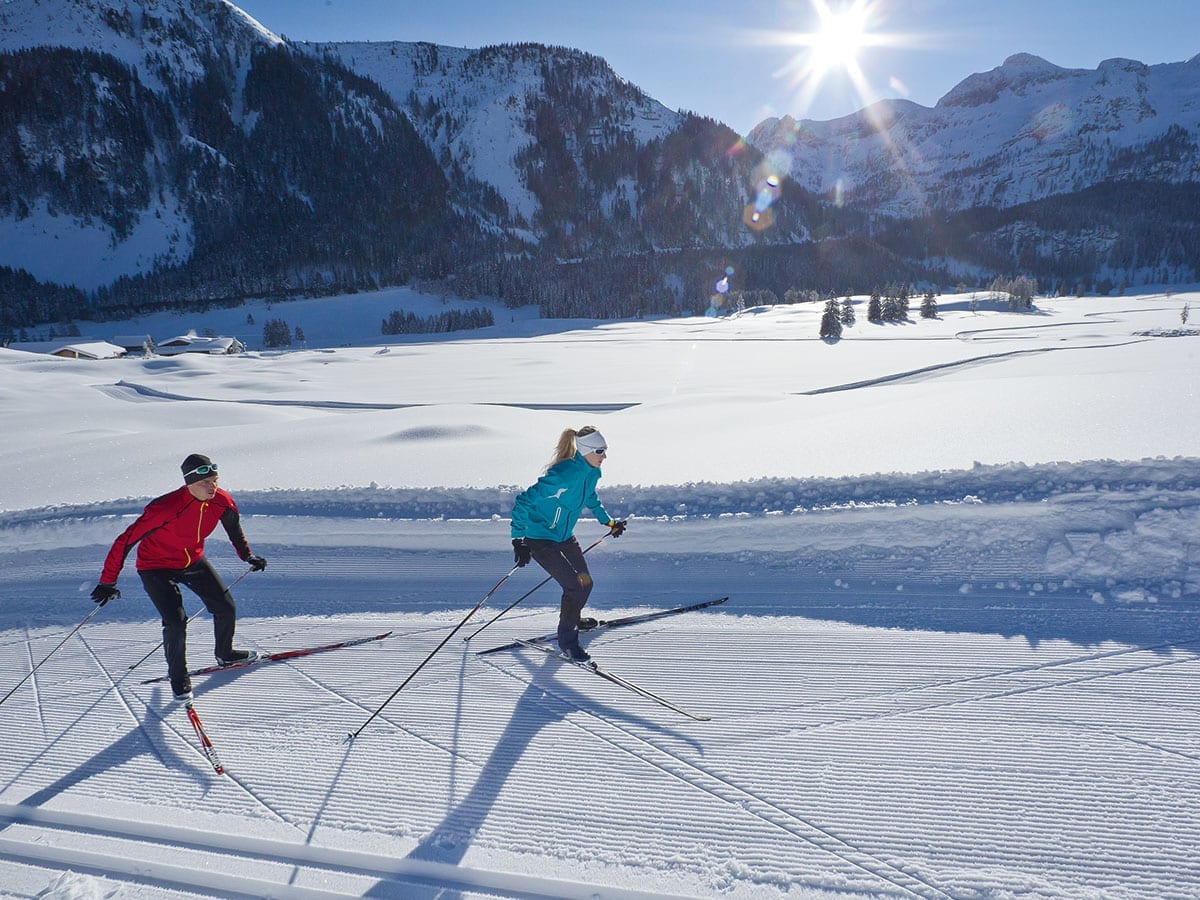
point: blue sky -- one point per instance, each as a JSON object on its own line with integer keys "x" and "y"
{"x": 730, "y": 60}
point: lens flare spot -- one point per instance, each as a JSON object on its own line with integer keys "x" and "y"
{"x": 758, "y": 215}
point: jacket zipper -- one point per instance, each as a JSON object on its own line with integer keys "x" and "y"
{"x": 199, "y": 525}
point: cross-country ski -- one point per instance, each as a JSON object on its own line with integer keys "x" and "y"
{"x": 206, "y": 744}
{"x": 278, "y": 656}
{"x": 601, "y": 624}
{"x": 594, "y": 667}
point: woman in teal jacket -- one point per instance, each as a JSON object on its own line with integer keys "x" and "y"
{"x": 543, "y": 525}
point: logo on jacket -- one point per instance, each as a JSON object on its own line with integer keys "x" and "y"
{"x": 559, "y": 493}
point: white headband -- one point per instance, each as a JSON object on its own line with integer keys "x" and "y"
{"x": 590, "y": 442}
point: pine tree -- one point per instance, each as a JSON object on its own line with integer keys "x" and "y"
{"x": 831, "y": 323}
{"x": 929, "y": 309}
{"x": 875, "y": 307}
{"x": 848, "y": 318}
{"x": 276, "y": 333}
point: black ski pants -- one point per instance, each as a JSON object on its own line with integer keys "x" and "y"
{"x": 565, "y": 563}
{"x": 202, "y": 579}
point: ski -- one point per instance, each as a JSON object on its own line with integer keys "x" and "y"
{"x": 277, "y": 657}
{"x": 591, "y": 666}
{"x": 609, "y": 623}
{"x": 206, "y": 745}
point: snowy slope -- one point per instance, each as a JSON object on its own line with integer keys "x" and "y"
{"x": 162, "y": 41}
{"x": 155, "y": 37}
{"x": 958, "y": 659}
{"x": 1025, "y": 130}
{"x": 484, "y": 101}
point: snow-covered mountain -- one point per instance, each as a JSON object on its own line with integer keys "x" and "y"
{"x": 557, "y": 151}
{"x": 180, "y": 139}
{"x": 1021, "y": 132}
{"x": 166, "y": 152}
{"x": 477, "y": 109}
{"x": 85, "y": 173}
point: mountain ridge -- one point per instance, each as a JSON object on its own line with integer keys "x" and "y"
{"x": 189, "y": 155}
{"x": 1022, "y": 131}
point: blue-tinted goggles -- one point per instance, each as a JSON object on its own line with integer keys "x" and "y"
{"x": 202, "y": 470}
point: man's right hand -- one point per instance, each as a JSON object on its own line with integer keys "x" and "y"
{"x": 105, "y": 592}
{"x": 521, "y": 552}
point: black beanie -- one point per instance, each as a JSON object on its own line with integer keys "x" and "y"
{"x": 193, "y": 462}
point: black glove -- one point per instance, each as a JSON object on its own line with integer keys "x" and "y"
{"x": 617, "y": 527}
{"x": 257, "y": 563}
{"x": 102, "y": 593}
{"x": 521, "y": 552}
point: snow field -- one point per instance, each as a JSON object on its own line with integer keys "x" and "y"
{"x": 958, "y": 660}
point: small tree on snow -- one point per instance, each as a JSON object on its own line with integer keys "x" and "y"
{"x": 1183, "y": 314}
{"x": 831, "y": 323}
{"x": 875, "y": 307}
{"x": 848, "y": 313}
{"x": 929, "y": 306}
{"x": 276, "y": 333}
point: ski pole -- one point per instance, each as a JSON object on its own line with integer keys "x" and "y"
{"x": 86, "y": 619}
{"x": 189, "y": 621}
{"x": 474, "y": 609}
{"x": 523, "y": 596}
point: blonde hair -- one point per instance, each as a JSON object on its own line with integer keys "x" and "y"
{"x": 566, "y": 444}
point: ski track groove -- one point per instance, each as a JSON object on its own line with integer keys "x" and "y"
{"x": 33, "y": 682}
{"x": 773, "y": 814}
{"x": 995, "y": 695}
{"x": 983, "y": 676}
{"x": 141, "y": 726}
{"x": 116, "y": 689}
{"x": 231, "y": 775}
{"x": 384, "y": 719}
{"x": 1116, "y": 736}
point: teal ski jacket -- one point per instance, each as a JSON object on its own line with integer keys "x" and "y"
{"x": 549, "y": 509}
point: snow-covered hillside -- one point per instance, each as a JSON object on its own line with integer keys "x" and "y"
{"x": 164, "y": 42}
{"x": 958, "y": 658}
{"x": 476, "y": 108}
{"x": 1025, "y": 130}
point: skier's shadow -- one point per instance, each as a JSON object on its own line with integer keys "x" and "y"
{"x": 547, "y": 700}
{"x": 152, "y": 736}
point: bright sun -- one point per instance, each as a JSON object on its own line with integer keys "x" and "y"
{"x": 841, "y": 30}
{"x": 839, "y": 39}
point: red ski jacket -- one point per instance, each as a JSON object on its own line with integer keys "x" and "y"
{"x": 170, "y": 533}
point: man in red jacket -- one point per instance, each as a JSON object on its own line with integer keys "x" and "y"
{"x": 169, "y": 536}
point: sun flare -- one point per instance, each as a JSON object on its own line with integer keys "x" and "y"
{"x": 838, "y": 33}
{"x": 838, "y": 40}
